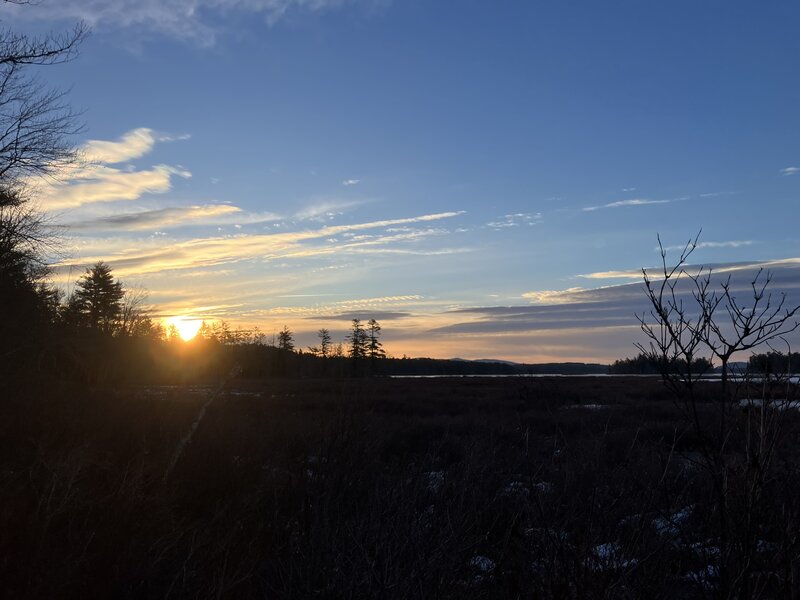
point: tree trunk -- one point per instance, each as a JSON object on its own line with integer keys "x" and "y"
{"x": 724, "y": 375}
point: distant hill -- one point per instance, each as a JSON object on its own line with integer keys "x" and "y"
{"x": 460, "y": 366}
{"x": 485, "y": 360}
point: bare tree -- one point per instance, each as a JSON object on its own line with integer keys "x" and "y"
{"x": 766, "y": 318}
{"x": 678, "y": 332}
{"x": 674, "y": 332}
{"x": 36, "y": 127}
{"x": 36, "y": 123}
{"x": 737, "y": 449}
{"x": 134, "y": 317}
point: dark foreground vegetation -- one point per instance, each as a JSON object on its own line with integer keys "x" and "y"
{"x": 262, "y": 472}
{"x": 382, "y": 488}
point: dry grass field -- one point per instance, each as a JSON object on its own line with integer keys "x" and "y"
{"x": 563, "y": 487}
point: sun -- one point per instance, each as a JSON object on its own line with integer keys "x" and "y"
{"x": 187, "y": 327}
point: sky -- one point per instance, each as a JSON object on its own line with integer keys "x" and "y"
{"x": 485, "y": 179}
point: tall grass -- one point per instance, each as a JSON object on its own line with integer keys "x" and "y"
{"x": 480, "y": 488}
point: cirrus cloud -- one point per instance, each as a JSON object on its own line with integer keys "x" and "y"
{"x": 623, "y": 203}
{"x": 198, "y": 21}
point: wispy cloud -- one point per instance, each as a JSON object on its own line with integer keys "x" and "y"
{"x": 93, "y": 180}
{"x": 730, "y": 267}
{"x": 515, "y": 220}
{"x": 628, "y": 274}
{"x": 133, "y": 144}
{"x": 198, "y": 21}
{"x": 385, "y": 315}
{"x": 325, "y": 210}
{"x": 623, "y": 203}
{"x": 153, "y": 255}
{"x": 354, "y": 308}
{"x": 164, "y": 218}
{"x": 701, "y": 245}
{"x": 790, "y": 171}
{"x": 109, "y": 185}
{"x": 553, "y": 296}
{"x": 349, "y": 182}
{"x": 607, "y": 308}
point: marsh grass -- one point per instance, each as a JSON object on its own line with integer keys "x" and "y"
{"x": 461, "y": 488}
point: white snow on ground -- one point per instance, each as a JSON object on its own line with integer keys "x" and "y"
{"x": 707, "y": 549}
{"x": 705, "y": 577}
{"x": 777, "y": 403}
{"x": 671, "y": 525}
{"x": 482, "y": 563}
{"x": 482, "y": 568}
{"x": 435, "y": 480}
{"x": 516, "y": 488}
{"x": 608, "y": 556}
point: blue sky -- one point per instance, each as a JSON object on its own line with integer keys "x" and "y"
{"x": 299, "y": 162}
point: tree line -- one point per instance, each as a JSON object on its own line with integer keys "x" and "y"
{"x": 646, "y": 364}
{"x": 774, "y": 363}
{"x": 360, "y": 342}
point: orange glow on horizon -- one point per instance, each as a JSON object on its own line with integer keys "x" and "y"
{"x": 187, "y": 327}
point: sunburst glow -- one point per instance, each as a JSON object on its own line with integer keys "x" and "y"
{"x": 186, "y": 326}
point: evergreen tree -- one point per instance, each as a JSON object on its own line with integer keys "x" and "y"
{"x": 357, "y": 340}
{"x": 374, "y": 347}
{"x": 324, "y": 342}
{"x": 97, "y": 301}
{"x": 325, "y": 346}
{"x": 286, "y": 339}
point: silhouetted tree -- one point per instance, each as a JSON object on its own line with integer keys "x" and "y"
{"x": 134, "y": 316}
{"x": 36, "y": 126}
{"x": 740, "y": 487}
{"x": 764, "y": 320}
{"x": 774, "y": 362}
{"x": 374, "y": 346}
{"x": 324, "y": 342}
{"x": 324, "y": 348}
{"x": 680, "y": 333}
{"x": 643, "y": 364}
{"x": 36, "y": 123}
{"x": 357, "y": 340}
{"x": 221, "y": 331}
{"x": 97, "y": 299}
{"x": 35, "y": 130}
{"x": 285, "y": 339}
{"x": 205, "y": 332}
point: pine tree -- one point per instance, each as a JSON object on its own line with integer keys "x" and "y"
{"x": 97, "y": 301}
{"x": 286, "y": 339}
{"x": 324, "y": 342}
{"x": 357, "y": 340}
{"x": 374, "y": 347}
{"x": 325, "y": 346}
